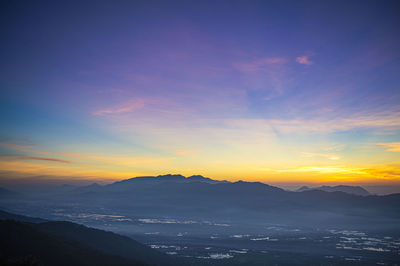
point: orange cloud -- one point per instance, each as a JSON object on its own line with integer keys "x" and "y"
{"x": 392, "y": 146}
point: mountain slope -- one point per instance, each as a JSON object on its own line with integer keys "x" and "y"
{"x": 67, "y": 239}
{"x": 21, "y": 218}
{"x": 20, "y": 239}
{"x": 106, "y": 241}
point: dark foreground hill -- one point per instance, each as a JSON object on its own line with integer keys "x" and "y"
{"x": 66, "y": 243}
{"x": 20, "y": 240}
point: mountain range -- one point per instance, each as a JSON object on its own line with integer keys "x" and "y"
{"x": 198, "y": 197}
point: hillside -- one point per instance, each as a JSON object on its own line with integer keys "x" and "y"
{"x": 66, "y": 243}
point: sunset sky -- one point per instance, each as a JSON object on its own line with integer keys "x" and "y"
{"x": 271, "y": 91}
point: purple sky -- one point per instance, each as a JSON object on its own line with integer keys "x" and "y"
{"x": 275, "y": 91}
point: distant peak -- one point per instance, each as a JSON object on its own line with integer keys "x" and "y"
{"x": 171, "y": 177}
{"x": 174, "y": 178}
{"x": 250, "y": 183}
{"x": 198, "y": 177}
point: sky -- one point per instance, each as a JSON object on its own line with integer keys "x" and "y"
{"x": 281, "y": 92}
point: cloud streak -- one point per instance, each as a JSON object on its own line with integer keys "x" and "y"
{"x": 323, "y": 155}
{"x": 267, "y": 75}
{"x": 16, "y": 147}
{"x": 127, "y": 107}
{"x": 337, "y": 169}
{"x": 383, "y": 121}
{"x": 260, "y": 64}
{"x": 391, "y": 146}
{"x": 22, "y": 157}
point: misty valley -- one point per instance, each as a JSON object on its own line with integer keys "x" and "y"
{"x": 200, "y": 221}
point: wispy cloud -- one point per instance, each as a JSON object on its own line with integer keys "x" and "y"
{"x": 304, "y": 60}
{"x": 260, "y": 64}
{"x": 391, "y": 146}
{"x": 380, "y": 121}
{"x": 22, "y": 157}
{"x": 324, "y": 155}
{"x": 383, "y": 121}
{"x": 126, "y": 107}
{"x": 16, "y": 147}
{"x": 334, "y": 148}
{"x": 270, "y": 75}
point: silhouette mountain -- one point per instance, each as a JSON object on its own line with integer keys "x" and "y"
{"x": 199, "y": 197}
{"x": 20, "y": 239}
{"x": 66, "y": 243}
{"x": 356, "y": 190}
{"x": 157, "y": 180}
{"x": 200, "y": 178}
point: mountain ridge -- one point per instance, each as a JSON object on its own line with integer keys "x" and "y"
{"x": 356, "y": 190}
